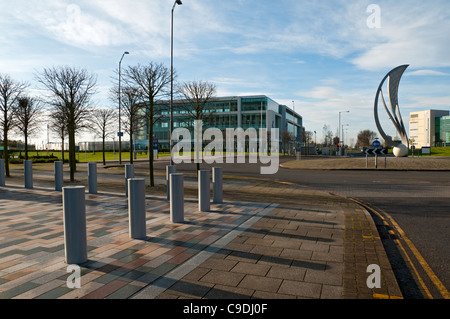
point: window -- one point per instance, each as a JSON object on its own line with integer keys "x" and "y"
{"x": 254, "y": 104}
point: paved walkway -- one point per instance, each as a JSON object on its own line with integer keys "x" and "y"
{"x": 318, "y": 248}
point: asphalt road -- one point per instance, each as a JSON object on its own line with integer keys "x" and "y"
{"x": 418, "y": 201}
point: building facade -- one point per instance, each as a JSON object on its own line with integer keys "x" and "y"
{"x": 227, "y": 112}
{"x": 443, "y": 131}
{"x": 426, "y": 128}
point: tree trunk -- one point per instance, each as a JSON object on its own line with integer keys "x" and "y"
{"x": 62, "y": 149}
{"x": 131, "y": 148}
{"x": 72, "y": 160}
{"x": 103, "y": 143}
{"x": 150, "y": 145}
{"x": 5, "y": 152}
{"x": 26, "y": 146}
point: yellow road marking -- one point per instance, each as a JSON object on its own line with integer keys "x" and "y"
{"x": 384, "y": 296}
{"x": 443, "y": 291}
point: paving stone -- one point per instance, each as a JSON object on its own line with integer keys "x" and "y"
{"x": 222, "y": 277}
{"x": 226, "y": 292}
{"x": 300, "y": 289}
{"x": 260, "y": 283}
{"x": 252, "y": 269}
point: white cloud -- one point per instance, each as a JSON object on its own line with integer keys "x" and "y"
{"x": 428, "y": 72}
{"x": 412, "y": 32}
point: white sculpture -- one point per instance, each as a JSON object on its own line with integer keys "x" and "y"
{"x": 393, "y": 77}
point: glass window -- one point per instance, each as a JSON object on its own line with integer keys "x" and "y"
{"x": 254, "y": 104}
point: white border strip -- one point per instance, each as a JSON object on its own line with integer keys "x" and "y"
{"x": 166, "y": 281}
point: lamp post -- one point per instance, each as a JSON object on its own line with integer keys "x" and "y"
{"x": 177, "y": 2}
{"x": 120, "y": 106}
{"x": 339, "y": 128}
{"x": 343, "y": 135}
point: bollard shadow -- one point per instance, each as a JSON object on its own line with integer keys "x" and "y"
{"x": 158, "y": 276}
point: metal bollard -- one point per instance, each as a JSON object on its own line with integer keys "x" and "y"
{"x": 203, "y": 191}
{"x": 59, "y": 176}
{"x": 92, "y": 176}
{"x": 75, "y": 240}
{"x": 28, "y": 172}
{"x": 176, "y": 198}
{"x": 129, "y": 173}
{"x": 217, "y": 181}
{"x": 136, "y": 208}
{"x": 2, "y": 172}
{"x": 170, "y": 169}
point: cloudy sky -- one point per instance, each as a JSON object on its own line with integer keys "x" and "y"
{"x": 321, "y": 57}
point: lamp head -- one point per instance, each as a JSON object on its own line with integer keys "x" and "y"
{"x": 179, "y": 2}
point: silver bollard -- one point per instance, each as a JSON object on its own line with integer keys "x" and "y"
{"x": 217, "y": 181}
{"x": 176, "y": 198}
{"x": 75, "y": 240}
{"x": 92, "y": 176}
{"x": 170, "y": 169}
{"x": 203, "y": 191}
{"x": 129, "y": 173}
{"x": 2, "y": 172}
{"x": 59, "y": 176}
{"x": 136, "y": 208}
{"x": 28, "y": 172}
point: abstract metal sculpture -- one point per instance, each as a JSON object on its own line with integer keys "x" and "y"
{"x": 393, "y": 77}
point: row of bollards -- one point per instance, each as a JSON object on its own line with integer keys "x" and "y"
{"x": 203, "y": 181}
{"x": 75, "y": 211}
{"x": 74, "y": 202}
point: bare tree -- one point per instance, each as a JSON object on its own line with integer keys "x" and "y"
{"x": 196, "y": 95}
{"x": 70, "y": 90}
{"x": 133, "y": 111}
{"x": 286, "y": 138}
{"x": 327, "y": 135}
{"x": 58, "y": 125}
{"x": 307, "y": 139}
{"x": 365, "y": 137}
{"x": 28, "y": 111}
{"x": 153, "y": 80}
{"x": 101, "y": 120}
{"x": 10, "y": 91}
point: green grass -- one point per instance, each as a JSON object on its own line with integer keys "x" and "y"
{"x": 84, "y": 157}
{"x": 440, "y": 151}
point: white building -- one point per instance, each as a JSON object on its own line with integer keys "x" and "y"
{"x": 422, "y": 127}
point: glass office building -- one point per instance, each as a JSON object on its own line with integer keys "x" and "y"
{"x": 226, "y": 112}
{"x": 443, "y": 131}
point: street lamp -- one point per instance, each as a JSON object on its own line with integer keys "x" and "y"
{"x": 177, "y": 2}
{"x": 120, "y": 106}
{"x": 339, "y": 128}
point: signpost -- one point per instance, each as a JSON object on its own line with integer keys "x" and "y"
{"x": 155, "y": 148}
{"x": 376, "y": 151}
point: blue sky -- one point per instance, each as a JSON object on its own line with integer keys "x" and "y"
{"x": 323, "y": 55}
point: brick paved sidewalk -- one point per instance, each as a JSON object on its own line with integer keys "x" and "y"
{"x": 318, "y": 248}
{"x": 32, "y": 243}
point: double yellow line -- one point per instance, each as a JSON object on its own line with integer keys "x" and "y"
{"x": 387, "y": 219}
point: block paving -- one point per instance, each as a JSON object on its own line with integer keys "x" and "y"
{"x": 314, "y": 249}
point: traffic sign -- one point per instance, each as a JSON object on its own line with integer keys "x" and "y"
{"x": 370, "y": 151}
{"x": 376, "y": 143}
